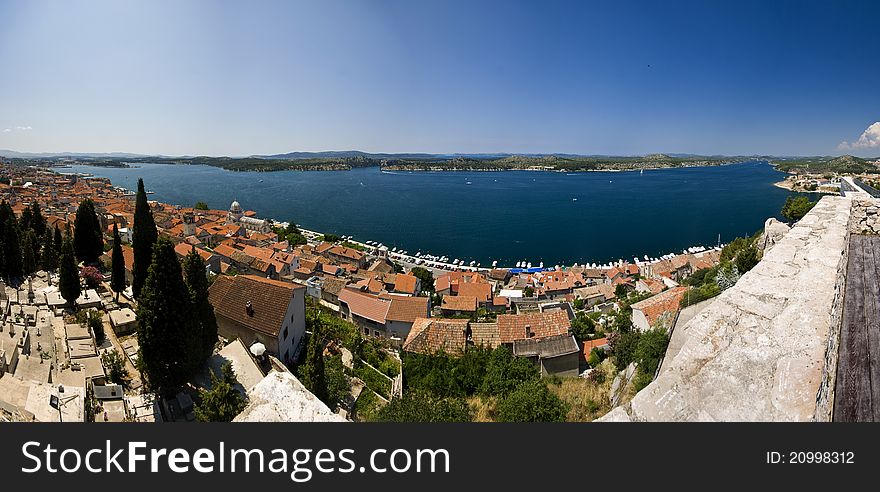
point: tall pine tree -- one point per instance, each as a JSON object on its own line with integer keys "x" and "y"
{"x": 117, "y": 270}
{"x": 143, "y": 238}
{"x": 167, "y": 332}
{"x": 88, "y": 241}
{"x": 68, "y": 274}
{"x": 197, "y": 282}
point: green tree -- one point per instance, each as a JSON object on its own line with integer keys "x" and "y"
{"x": 195, "y": 274}
{"x": 28, "y": 260}
{"x": 114, "y": 364}
{"x": 143, "y": 238}
{"x": 419, "y": 406}
{"x": 200, "y": 205}
{"x": 49, "y": 255}
{"x": 531, "y": 402}
{"x": 88, "y": 241}
{"x": 504, "y": 372}
{"x": 620, "y": 291}
{"x": 222, "y": 402}
{"x": 623, "y": 347}
{"x": 167, "y": 331}
{"x": 650, "y": 349}
{"x": 331, "y": 238}
{"x": 12, "y": 249}
{"x": 796, "y": 207}
{"x": 582, "y": 327}
{"x": 117, "y": 262}
{"x": 338, "y": 386}
{"x": 529, "y": 291}
{"x": 38, "y": 222}
{"x": 57, "y": 240}
{"x": 425, "y": 277}
{"x": 747, "y": 258}
{"x": 68, "y": 274}
{"x": 311, "y": 371}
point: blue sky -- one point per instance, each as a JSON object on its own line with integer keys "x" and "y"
{"x": 616, "y": 77}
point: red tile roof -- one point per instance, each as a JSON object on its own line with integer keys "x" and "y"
{"x": 551, "y": 323}
{"x": 405, "y": 284}
{"x": 432, "y": 335}
{"x": 365, "y": 305}
{"x": 663, "y": 303}
{"x": 269, "y": 301}
{"x": 459, "y": 303}
{"x": 407, "y": 309}
{"x": 482, "y": 292}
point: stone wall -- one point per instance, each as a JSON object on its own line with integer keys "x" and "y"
{"x": 865, "y": 216}
{"x": 761, "y": 350}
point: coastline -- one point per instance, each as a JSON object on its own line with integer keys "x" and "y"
{"x": 413, "y": 260}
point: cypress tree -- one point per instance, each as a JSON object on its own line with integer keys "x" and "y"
{"x": 117, "y": 271}
{"x": 167, "y": 331}
{"x": 197, "y": 282}
{"x": 143, "y": 238}
{"x": 48, "y": 256}
{"x": 28, "y": 259}
{"x": 68, "y": 274}
{"x": 12, "y": 249}
{"x": 38, "y": 222}
{"x": 57, "y": 240}
{"x": 312, "y": 371}
{"x": 24, "y": 223}
{"x": 88, "y": 242}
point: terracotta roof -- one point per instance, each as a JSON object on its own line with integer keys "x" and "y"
{"x": 405, "y": 283}
{"x": 183, "y": 249}
{"x": 269, "y": 301}
{"x": 663, "y": 303}
{"x": 459, "y": 303}
{"x": 432, "y": 335}
{"x": 407, "y": 309}
{"x": 365, "y": 305}
{"x": 540, "y": 325}
{"x": 589, "y": 345}
{"x": 482, "y": 292}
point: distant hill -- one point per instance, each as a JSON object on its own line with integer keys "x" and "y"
{"x": 11, "y": 154}
{"x": 825, "y": 164}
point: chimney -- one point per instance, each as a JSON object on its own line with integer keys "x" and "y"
{"x": 249, "y": 308}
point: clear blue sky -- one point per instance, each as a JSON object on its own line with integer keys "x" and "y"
{"x": 615, "y": 77}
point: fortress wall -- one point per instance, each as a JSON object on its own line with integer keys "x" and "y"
{"x": 765, "y": 349}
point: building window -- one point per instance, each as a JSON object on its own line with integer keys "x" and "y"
{"x": 285, "y": 333}
{"x": 367, "y": 331}
{"x": 291, "y": 318}
{"x": 287, "y": 355}
{"x": 377, "y": 333}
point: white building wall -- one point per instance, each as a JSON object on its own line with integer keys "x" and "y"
{"x": 295, "y": 324}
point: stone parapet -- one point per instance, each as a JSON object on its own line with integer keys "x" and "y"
{"x": 760, "y": 351}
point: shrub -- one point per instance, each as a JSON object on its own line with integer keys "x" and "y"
{"x": 531, "y": 402}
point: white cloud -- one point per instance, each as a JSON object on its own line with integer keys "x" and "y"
{"x": 19, "y": 128}
{"x": 869, "y": 139}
